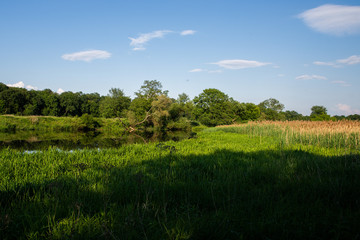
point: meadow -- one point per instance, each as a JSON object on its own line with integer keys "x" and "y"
{"x": 266, "y": 180}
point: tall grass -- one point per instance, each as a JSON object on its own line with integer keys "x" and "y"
{"x": 217, "y": 186}
{"x": 344, "y": 135}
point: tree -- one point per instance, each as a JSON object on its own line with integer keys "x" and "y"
{"x": 13, "y": 100}
{"x": 51, "y": 102}
{"x": 140, "y": 109}
{"x": 251, "y": 112}
{"x": 182, "y": 107}
{"x": 353, "y": 117}
{"x": 319, "y": 113}
{"x": 150, "y": 90}
{"x": 271, "y": 109}
{"x": 90, "y": 104}
{"x": 35, "y": 103}
{"x": 293, "y": 115}
{"x": 114, "y": 104}
{"x": 70, "y": 103}
{"x": 160, "y": 113}
{"x": 213, "y": 107}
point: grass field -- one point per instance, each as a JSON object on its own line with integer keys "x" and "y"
{"x": 254, "y": 181}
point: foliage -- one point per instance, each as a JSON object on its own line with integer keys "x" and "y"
{"x": 88, "y": 123}
{"x": 251, "y": 112}
{"x": 293, "y": 116}
{"x": 271, "y": 109}
{"x": 159, "y": 113}
{"x": 115, "y": 104}
{"x": 150, "y": 90}
{"x": 319, "y": 113}
{"x": 213, "y": 107}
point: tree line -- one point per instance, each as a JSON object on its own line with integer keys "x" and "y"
{"x": 151, "y": 106}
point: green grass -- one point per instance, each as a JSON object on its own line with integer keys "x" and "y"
{"x": 11, "y": 123}
{"x": 221, "y": 185}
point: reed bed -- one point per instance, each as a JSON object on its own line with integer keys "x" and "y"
{"x": 343, "y": 135}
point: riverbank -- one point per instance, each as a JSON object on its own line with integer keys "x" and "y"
{"x": 11, "y": 123}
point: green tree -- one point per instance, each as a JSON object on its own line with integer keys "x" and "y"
{"x": 251, "y": 112}
{"x": 3, "y": 87}
{"x": 90, "y": 104}
{"x": 293, "y": 115}
{"x": 319, "y": 113}
{"x": 13, "y": 100}
{"x": 150, "y": 90}
{"x": 51, "y": 103}
{"x": 213, "y": 107}
{"x": 71, "y": 103}
{"x": 271, "y": 109}
{"x": 35, "y": 103}
{"x": 353, "y": 117}
{"x": 114, "y": 104}
{"x": 182, "y": 107}
{"x": 159, "y": 111}
{"x": 140, "y": 109}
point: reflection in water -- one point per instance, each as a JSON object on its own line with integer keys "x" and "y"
{"x": 69, "y": 141}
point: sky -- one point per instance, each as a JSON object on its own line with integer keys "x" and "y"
{"x": 302, "y": 53}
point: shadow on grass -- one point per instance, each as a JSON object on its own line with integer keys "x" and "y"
{"x": 223, "y": 195}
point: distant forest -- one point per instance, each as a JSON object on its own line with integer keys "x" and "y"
{"x": 211, "y": 107}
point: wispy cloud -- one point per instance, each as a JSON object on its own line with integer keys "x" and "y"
{"x": 139, "y": 42}
{"x": 352, "y": 60}
{"x": 239, "y": 64}
{"x": 310, "y": 77}
{"x": 22, "y": 85}
{"x": 346, "y": 109}
{"x": 342, "y": 83}
{"x": 198, "y": 70}
{"x": 331, "y": 64}
{"x": 87, "y": 56}
{"x": 187, "y": 32}
{"x": 205, "y": 70}
{"x": 333, "y": 19}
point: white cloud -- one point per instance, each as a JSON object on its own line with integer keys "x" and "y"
{"x": 239, "y": 64}
{"x": 22, "y": 85}
{"x": 139, "y": 42}
{"x": 17, "y": 85}
{"x": 29, "y": 87}
{"x": 342, "y": 83}
{"x": 139, "y": 49}
{"x": 333, "y": 19}
{"x": 60, "y": 91}
{"x": 310, "y": 77}
{"x": 198, "y": 70}
{"x": 346, "y": 109}
{"x": 187, "y": 32}
{"x": 87, "y": 56}
{"x": 325, "y": 64}
{"x": 350, "y": 60}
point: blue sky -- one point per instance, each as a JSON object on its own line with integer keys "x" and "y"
{"x": 303, "y": 53}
